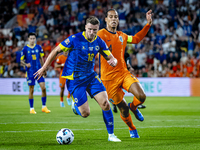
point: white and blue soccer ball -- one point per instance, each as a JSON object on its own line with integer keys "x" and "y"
{"x": 65, "y": 136}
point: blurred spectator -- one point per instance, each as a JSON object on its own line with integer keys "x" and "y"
{"x": 171, "y": 47}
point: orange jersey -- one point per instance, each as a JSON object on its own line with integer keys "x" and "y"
{"x": 117, "y": 43}
{"x": 61, "y": 60}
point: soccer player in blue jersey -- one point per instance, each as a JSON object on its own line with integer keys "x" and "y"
{"x": 80, "y": 74}
{"x": 31, "y": 59}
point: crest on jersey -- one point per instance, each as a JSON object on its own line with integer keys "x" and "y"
{"x": 90, "y": 48}
{"x": 76, "y": 100}
{"x": 73, "y": 36}
{"x": 67, "y": 41}
{"x": 36, "y": 50}
{"x": 121, "y": 39}
{"x": 97, "y": 48}
{"x": 32, "y": 51}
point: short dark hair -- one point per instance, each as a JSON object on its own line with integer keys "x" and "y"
{"x": 31, "y": 33}
{"x": 93, "y": 20}
{"x": 111, "y": 9}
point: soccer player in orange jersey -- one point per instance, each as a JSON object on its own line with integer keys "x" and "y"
{"x": 114, "y": 79}
{"x": 60, "y": 62}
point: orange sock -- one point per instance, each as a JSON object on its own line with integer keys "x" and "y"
{"x": 129, "y": 122}
{"x": 61, "y": 99}
{"x": 68, "y": 96}
{"x": 135, "y": 103}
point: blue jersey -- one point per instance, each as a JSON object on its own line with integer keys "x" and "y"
{"x": 32, "y": 56}
{"x": 81, "y": 58}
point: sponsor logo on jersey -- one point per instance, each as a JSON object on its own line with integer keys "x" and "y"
{"x": 97, "y": 48}
{"x": 67, "y": 41}
{"x": 29, "y": 81}
{"x": 91, "y": 48}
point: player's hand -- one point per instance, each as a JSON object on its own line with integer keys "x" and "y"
{"x": 112, "y": 62}
{"x": 149, "y": 15}
{"x": 28, "y": 65}
{"x": 39, "y": 73}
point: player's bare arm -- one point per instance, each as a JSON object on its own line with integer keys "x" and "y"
{"x": 42, "y": 63}
{"x": 149, "y": 17}
{"x": 50, "y": 58}
{"x": 59, "y": 65}
{"x": 25, "y": 64}
{"x": 111, "y": 60}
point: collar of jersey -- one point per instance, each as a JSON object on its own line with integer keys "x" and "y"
{"x": 110, "y": 31}
{"x": 86, "y": 37}
{"x": 30, "y": 46}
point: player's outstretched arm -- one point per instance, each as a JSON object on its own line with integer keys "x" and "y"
{"x": 111, "y": 60}
{"x": 149, "y": 17}
{"x": 50, "y": 58}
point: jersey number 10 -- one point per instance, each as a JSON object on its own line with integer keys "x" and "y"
{"x": 34, "y": 57}
{"x": 90, "y": 57}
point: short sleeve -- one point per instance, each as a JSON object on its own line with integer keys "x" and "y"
{"x": 67, "y": 44}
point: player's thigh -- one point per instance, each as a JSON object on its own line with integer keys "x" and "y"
{"x": 41, "y": 82}
{"x": 62, "y": 82}
{"x": 79, "y": 96}
{"x": 137, "y": 90}
{"x": 102, "y": 99}
{"x": 129, "y": 79}
{"x": 114, "y": 90}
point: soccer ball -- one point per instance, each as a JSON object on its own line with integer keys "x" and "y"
{"x": 65, "y": 136}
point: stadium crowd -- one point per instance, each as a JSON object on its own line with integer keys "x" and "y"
{"x": 170, "y": 49}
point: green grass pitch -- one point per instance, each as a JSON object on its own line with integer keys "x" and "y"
{"x": 171, "y": 123}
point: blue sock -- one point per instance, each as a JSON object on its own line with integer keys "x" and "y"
{"x": 31, "y": 103}
{"x": 77, "y": 110}
{"x": 109, "y": 121}
{"x": 44, "y": 99}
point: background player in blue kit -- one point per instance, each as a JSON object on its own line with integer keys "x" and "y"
{"x": 31, "y": 59}
{"x": 80, "y": 74}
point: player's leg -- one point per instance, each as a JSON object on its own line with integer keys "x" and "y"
{"x": 80, "y": 104}
{"x": 44, "y": 98}
{"x": 69, "y": 101}
{"x": 31, "y": 100}
{"x": 31, "y": 84}
{"x": 126, "y": 117}
{"x": 61, "y": 96}
{"x": 97, "y": 90}
{"x": 62, "y": 88}
{"x": 102, "y": 100}
{"x": 132, "y": 85}
{"x": 139, "y": 98}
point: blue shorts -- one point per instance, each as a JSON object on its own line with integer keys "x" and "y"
{"x": 31, "y": 80}
{"x": 93, "y": 85}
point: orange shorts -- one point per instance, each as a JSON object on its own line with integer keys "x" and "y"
{"x": 62, "y": 82}
{"x": 114, "y": 87}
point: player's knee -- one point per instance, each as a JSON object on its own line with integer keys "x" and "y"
{"x": 44, "y": 90}
{"x": 105, "y": 105}
{"x": 124, "y": 111}
{"x": 142, "y": 97}
{"x": 85, "y": 114}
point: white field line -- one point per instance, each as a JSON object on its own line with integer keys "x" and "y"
{"x": 181, "y": 120}
{"x": 181, "y": 126}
